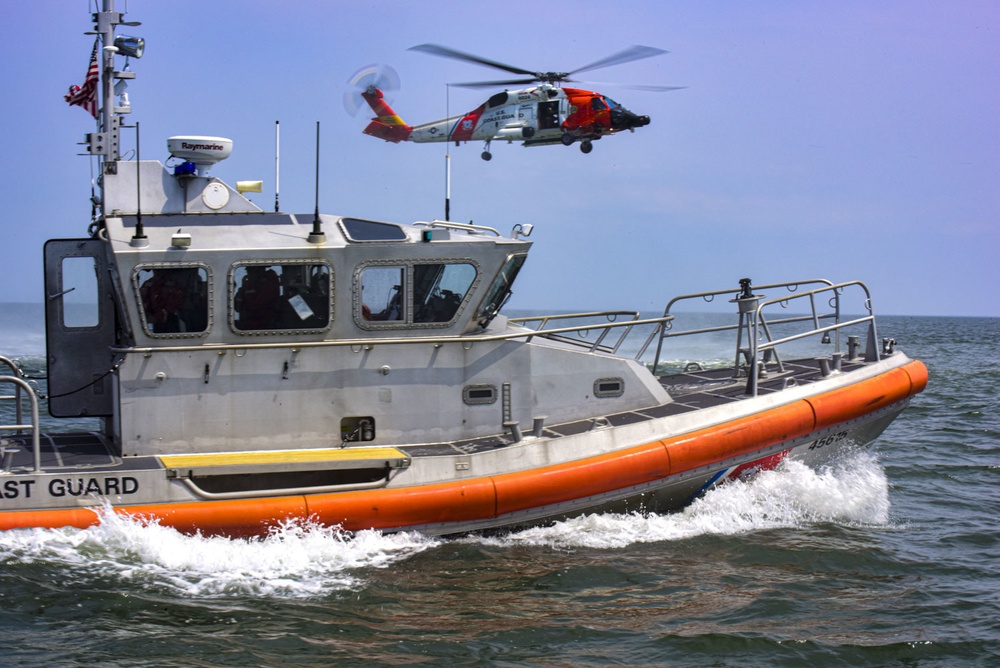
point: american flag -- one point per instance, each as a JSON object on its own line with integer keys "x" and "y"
{"x": 86, "y": 95}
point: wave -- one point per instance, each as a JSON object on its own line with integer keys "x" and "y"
{"x": 296, "y": 560}
{"x": 303, "y": 560}
{"x": 852, "y": 491}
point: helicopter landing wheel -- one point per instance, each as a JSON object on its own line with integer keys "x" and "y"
{"x": 487, "y": 155}
{"x": 587, "y": 147}
{"x": 567, "y": 139}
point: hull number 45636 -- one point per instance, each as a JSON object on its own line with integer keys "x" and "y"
{"x": 828, "y": 440}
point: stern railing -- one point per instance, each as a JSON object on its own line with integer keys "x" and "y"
{"x": 21, "y": 388}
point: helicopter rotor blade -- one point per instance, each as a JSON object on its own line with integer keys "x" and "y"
{"x": 445, "y": 52}
{"x": 643, "y": 87}
{"x": 637, "y": 52}
{"x": 491, "y": 84}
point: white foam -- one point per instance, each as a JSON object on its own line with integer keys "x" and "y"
{"x": 307, "y": 560}
{"x": 296, "y": 560}
{"x": 854, "y": 491}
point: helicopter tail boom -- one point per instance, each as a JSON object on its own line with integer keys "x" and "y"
{"x": 387, "y": 124}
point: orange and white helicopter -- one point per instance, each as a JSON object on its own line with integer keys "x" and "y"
{"x": 540, "y": 115}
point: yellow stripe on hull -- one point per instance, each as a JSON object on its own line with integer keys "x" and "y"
{"x": 278, "y": 457}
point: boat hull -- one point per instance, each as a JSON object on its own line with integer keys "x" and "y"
{"x": 657, "y": 475}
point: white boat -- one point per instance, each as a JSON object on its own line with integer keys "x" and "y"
{"x": 250, "y": 368}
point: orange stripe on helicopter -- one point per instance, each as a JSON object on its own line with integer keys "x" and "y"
{"x": 466, "y": 125}
{"x": 387, "y": 124}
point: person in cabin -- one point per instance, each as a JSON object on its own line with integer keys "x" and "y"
{"x": 194, "y": 311}
{"x": 303, "y": 306}
{"x": 257, "y": 301}
{"x": 162, "y": 298}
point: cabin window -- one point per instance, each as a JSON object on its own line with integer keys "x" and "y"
{"x": 174, "y": 299}
{"x": 79, "y": 292}
{"x": 382, "y": 294}
{"x": 607, "y": 388}
{"x": 479, "y": 394}
{"x": 439, "y": 289}
{"x": 500, "y": 290}
{"x": 267, "y": 297}
{"x": 419, "y": 293}
{"x": 597, "y": 104}
{"x": 368, "y": 230}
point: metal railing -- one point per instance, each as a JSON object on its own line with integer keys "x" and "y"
{"x": 555, "y": 333}
{"x": 761, "y": 346}
{"x": 21, "y": 388}
{"x": 630, "y": 319}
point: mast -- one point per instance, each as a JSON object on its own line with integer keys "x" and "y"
{"x": 105, "y": 143}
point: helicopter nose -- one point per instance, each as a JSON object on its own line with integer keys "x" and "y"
{"x": 626, "y": 120}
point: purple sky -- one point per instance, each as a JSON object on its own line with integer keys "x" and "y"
{"x": 848, "y": 140}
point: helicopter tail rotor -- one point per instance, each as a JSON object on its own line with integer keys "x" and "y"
{"x": 367, "y": 79}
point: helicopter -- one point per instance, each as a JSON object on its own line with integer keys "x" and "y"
{"x": 543, "y": 114}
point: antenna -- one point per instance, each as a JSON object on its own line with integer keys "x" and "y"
{"x": 139, "y": 239}
{"x": 277, "y": 164}
{"x": 317, "y": 236}
{"x": 447, "y": 186}
{"x": 447, "y": 157}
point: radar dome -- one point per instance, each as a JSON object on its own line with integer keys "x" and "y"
{"x": 202, "y": 151}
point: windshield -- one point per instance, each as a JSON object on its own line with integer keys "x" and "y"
{"x": 500, "y": 291}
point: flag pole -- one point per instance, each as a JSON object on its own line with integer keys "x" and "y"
{"x": 106, "y": 21}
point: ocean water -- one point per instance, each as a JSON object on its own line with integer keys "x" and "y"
{"x": 890, "y": 557}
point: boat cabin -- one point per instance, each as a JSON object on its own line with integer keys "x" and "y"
{"x": 264, "y": 329}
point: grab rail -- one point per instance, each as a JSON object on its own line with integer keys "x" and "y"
{"x": 368, "y": 343}
{"x": 465, "y": 227}
{"x": 611, "y": 316}
{"x": 15, "y": 371}
{"x": 21, "y": 384}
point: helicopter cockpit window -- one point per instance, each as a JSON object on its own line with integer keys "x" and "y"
{"x": 369, "y": 230}
{"x": 597, "y": 104}
{"x": 174, "y": 299}
{"x": 283, "y": 297}
{"x": 500, "y": 290}
{"x": 497, "y": 100}
{"x": 414, "y": 294}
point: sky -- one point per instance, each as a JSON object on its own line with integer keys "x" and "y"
{"x": 856, "y": 140}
